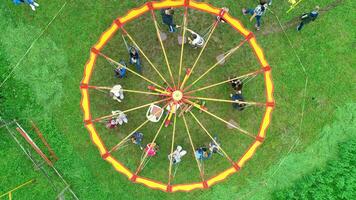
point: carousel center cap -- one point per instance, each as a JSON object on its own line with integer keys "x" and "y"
{"x": 177, "y": 95}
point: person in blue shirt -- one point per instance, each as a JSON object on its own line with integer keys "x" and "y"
{"x": 31, "y": 3}
{"x": 237, "y": 97}
{"x": 135, "y": 59}
{"x": 137, "y": 139}
{"x": 308, "y": 17}
{"x": 202, "y": 153}
{"x": 120, "y": 71}
{"x": 256, "y": 13}
{"x": 167, "y": 19}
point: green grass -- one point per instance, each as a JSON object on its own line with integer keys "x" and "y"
{"x": 45, "y": 88}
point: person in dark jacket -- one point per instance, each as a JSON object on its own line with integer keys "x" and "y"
{"x": 137, "y": 139}
{"x": 236, "y": 84}
{"x": 167, "y": 19}
{"x": 135, "y": 59}
{"x": 238, "y": 99}
{"x": 308, "y": 17}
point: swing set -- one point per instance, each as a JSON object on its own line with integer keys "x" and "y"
{"x": 178, "y": 94}
{"x": 42, "y": 161}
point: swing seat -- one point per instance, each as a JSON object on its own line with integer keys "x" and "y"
{"x": 154, "y": 113}
{"x": 163, "y": 35}
{"x": 220, "y": 58}
{"x": 181, "y": 40}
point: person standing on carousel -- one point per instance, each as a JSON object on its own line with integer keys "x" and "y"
{"x": 135, "y": 59}
{"x": 167, "y": 19}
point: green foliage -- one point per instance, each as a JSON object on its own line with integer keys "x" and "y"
{"x": 336, "y": 181}
{"x": 295, "y": 164}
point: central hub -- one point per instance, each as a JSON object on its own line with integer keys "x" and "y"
{"x": 177, "y": 95}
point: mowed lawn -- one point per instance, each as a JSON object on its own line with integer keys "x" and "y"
{"x": 45, "y": 88}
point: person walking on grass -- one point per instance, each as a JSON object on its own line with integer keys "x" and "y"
{"x": 31, "y": 3}
{"x": 308, "y": 17}
{"x": 256, "y": 13}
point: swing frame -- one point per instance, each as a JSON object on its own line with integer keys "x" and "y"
{"x": 207, "y": 8}
{"x": 152, "y": 116}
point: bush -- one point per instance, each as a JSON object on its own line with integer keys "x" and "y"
{"x": 336, "y": 181}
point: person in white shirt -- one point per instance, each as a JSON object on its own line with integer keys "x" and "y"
{"x": 257, "y": 12}
{"x": 196, "y": 40}
{"x": 121, "y": 117}
{"x": 177, "y": 155}
{"x": 117, "y": 93}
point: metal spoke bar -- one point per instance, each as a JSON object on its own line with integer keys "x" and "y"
{"x": 145, "y": 155}
{"x": 226, "y": 81}
{"x": 201, "y": 52}
{"x": 193, "y": 148}
{"x": 244, "y": 132}
{"x": 227, "y": 101}
{"x": 131, "y": 109}
{"x": 217, "y": 144}
{"x": 217, "y": 63}
{"x": 162, "y": 45}
{"x": 130, "y": 70}
{"x": 125, "y": 90}
{"x": 185, "y": 20}
{"x": 144, "y": 55}
{"x": 172, "y": 147}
